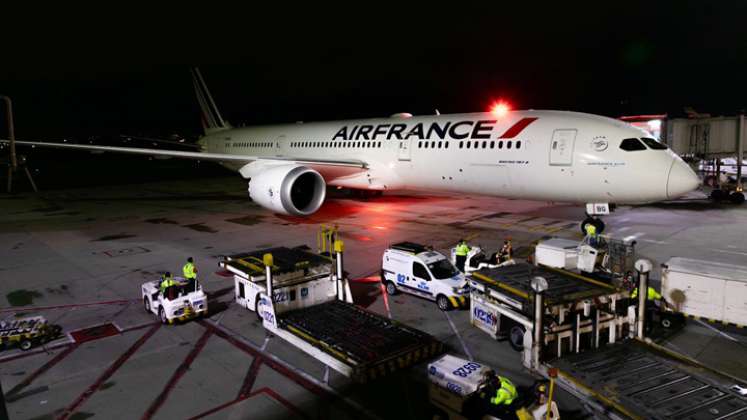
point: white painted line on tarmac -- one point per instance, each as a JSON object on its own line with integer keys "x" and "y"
{"x": 264, "y": 345}
{"x": 716, "y": 330}
{"x": 352, "y": 403}
{"x": 326, "y": 375}
{"x": 459, "y": 336}
{"x": 730, "y": 252}
{"x": 220, "y": 317}
{"x": 652, "y": 241}
{"x": 623, "y": 229}
{"x": 634, "y": 236}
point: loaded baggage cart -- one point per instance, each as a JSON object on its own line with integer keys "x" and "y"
{"x": 27, "y": 332}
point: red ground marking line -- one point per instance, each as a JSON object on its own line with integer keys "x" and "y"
{"x": 108, "y": 373}
{"x": 137, "y": 327}
{"x": 295, "y": 377}
{"x": 180, "y": 371}
{"x": 35, "y": 352}
{"x": 386, "y": 300}
{"x": 27, "y": 381}
{"x": 251, "y": 376}
{"x": 96, "y": 332}
{"x": 265, "y": 390}
{"x": 72, "y": 305}
{"x": 56, "y": 346}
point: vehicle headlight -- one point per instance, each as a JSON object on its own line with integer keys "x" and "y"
{"x": 178, "y": 311}
{"x": 457, "y": 290}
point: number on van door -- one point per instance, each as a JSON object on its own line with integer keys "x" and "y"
{"x": 420, "y": 276}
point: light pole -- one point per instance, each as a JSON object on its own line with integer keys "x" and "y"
{"x": 13, "y": 164}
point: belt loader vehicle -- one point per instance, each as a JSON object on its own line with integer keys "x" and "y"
{"x": 593, "y": 334}
{"x": 302, "y": 298}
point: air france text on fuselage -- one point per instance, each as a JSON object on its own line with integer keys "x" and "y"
{"x": 459, "y": 130}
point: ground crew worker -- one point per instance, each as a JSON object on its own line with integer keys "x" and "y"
{"x": 591, "y": 233}
{"x": 462, "y": 249}
{"x": 653, "y": 301}
{"x": 506, "y": 251}
{"x": 506, "y": 394}
{"x": 652, "y": 294}
{"x": 190, "y": 273}
{"x": 167, "y": 281}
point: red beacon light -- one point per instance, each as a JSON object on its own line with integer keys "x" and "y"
{"x": 500, "y": 108}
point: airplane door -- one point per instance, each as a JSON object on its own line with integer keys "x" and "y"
{"x": 404, "y": 150}
{"x": 561, "y": 147}
{"x": 281, "y": 146}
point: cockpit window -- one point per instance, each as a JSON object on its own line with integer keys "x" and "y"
{"x": 632, "y": 145}
{"x": 653, "y": 144}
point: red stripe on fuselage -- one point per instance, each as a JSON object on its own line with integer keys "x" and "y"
{"x": 517, "y": 128}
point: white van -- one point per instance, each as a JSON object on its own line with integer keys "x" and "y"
{"x": 413, "y": 268}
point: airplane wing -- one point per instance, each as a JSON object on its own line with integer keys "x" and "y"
{"x": 318, "y": 164}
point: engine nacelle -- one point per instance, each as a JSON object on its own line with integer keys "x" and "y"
{"x": 288, "y": 189}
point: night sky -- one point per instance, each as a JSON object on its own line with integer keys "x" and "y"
{"x": 122, "y": 71}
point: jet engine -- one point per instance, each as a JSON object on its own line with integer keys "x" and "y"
{"x": 288, "y": 189}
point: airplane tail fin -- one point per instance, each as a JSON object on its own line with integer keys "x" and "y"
{"x": 211, "y": 118}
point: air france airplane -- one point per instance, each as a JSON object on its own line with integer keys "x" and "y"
{"x": 536, "y": 155}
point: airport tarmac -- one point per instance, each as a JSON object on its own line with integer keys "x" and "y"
{"x": 80, "y": 256}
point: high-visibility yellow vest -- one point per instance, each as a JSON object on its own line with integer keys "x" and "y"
{"x": 506, "y": 394}
{"x": 167, "y": 282}
{"x": 591, "y": 230}
{"x": 462, "y": 250}
{"x": 189, "y": 271}
{"x": 651, "y": 294}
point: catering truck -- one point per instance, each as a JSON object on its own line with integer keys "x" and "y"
{"x": 705, "y": 289}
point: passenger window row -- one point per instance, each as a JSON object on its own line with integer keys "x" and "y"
{"x": 469, "y": 144}
{"x": 337, "y": 144}
{"x": 251, "y": 144}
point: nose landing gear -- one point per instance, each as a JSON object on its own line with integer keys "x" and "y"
{"x": 593, "y": 211}
{"x": 597, "y": 222}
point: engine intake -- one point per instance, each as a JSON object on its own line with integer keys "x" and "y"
{"x": 288, "y": 189}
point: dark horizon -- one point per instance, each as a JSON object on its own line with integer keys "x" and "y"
{"x": 108, "y": 79}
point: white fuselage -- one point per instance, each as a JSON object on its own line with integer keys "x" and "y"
{"x": 540, "y": 155}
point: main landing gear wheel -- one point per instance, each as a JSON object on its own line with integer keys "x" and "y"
{"x": 516, "y": 337}
{"x": 596, "y": 222}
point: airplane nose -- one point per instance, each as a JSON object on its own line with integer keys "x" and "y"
{"x": 681, "y": 179}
